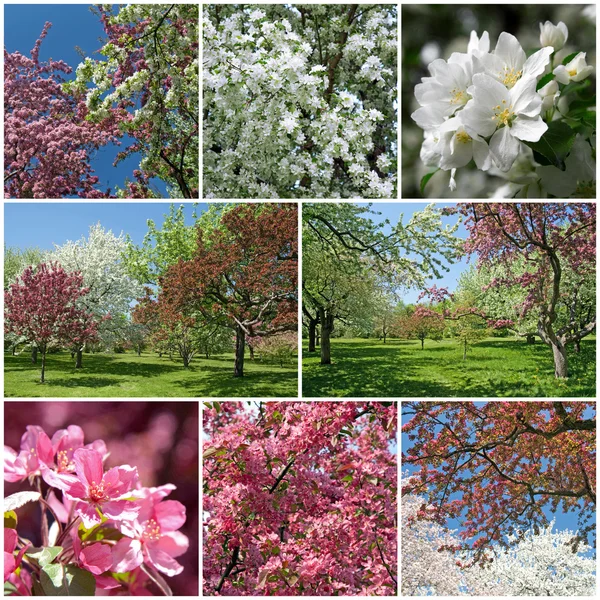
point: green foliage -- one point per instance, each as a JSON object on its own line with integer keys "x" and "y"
{"x": 496, "y": 367}
{"x": 425, "y": 179}
{"x": 16, "y": 260}
{"x": 554, "y": 145}
{"x": 67, "y": 580}
{"x": 10, "y": 519}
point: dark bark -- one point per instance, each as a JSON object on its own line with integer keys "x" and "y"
{"x": 43, "y": 374}
{"x": 34, "y": 354}
{"x": 79, "y": 359}
{"x": 240, "y": 344}
{"x": 577, "y": 346}
{"x": 561, "y": 364}
{"x": 530, "y": 338}
{"x": 465, "y": 350}
{"x": 139, "y": 350}
{"x": 422, "y": 343}
{"x": 312, "y": 335}
{"x": 326, "y": 330}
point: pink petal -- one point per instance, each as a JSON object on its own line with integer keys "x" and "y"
{"x": 174, "y": 543}
{"x": 170, "y": 515}
{"x": 106, "y": 582}
{"x": 69, "y": 484}
{"x": 15, "y": 467}
{"x": 88, "y": 513}
{"x": 45, "y": 451}
{"x": 120, "y": 510}
{"x": 9, "y": 565}
{"x": 88, "y": 466}
{"x": 98, "y": 446}
{"x": 127, "y": 555}
{"x": 120, "y": 479}
{"x": 96, "y": 558}
{"x": 69, "y": 438}
{"x": 162, "y": 561}
{"x": 10, "y": 539}
{"x": 61, "y": 509}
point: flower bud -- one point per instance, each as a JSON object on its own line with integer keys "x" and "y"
{"x": 549, "y": 94}
{"x": 575, "y": 70}
{"x": 553, "y": 35}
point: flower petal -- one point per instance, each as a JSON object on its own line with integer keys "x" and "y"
{"x": 534, "y": 66}
{"x": 161, "y": 561}
{"x": 9, "y": 565}
{"x": 510, "y": 51}
{"x": 488, "y": 92}
{"x": 120, "y": 510}
{"x": 88, "y": 513}
{"x": 127, "y": 555}
{"x": 504, "y": 148}
{"x": 69, "y": 484}
{"x": 174, "y": 543}
{"x": 119, "y": 480}
{"x": 96, "y": 558}
{"x": 481, "y": 155}
{"x": 524, "y": 99}
{"x": 529, "y": 130}
{"x": 88, "y": 466}
{"x": 170, "y": 515}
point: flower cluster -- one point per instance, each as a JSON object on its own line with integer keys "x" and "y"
{"x": 109, "y": 532}
{"x": 488, "y": 106}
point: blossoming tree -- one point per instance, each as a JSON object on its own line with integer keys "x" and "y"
{"x": 496, "y": 466}
{"x": 299, "y": 101}
{"x": 300, "y": 499}
{"x": 108, "y": 532}
{"x": 502, "y": 108}
{"x": 42, "y": 306}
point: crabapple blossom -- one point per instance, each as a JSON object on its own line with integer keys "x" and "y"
{"x": 553, "y": 35}
{"x": 575, "y": 70}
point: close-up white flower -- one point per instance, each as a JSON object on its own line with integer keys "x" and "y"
{"x": 553, "y": 35}
{"x": 575, "y": 70}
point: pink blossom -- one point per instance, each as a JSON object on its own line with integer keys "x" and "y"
{"x": 92, "y": 489}
{"x": 153, "y": 536}
{"x": 19, "y": 466}
{"x": 11, "y": 563}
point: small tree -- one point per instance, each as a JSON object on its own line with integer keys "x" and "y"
{"x": 420, "y": 324}
{"x": 42, "y": 307}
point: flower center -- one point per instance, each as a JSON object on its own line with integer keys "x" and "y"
{"x": 97, "y": 491}
{"x": 463, "y": 137}
{"x": 63, "y": 462}
{"x": 458, "y": 96}
{"x": 572, "y": 72}
{"x": 503, "y": 115}
{"x": 509, "y": 77}
{"x": 151, "y": 531}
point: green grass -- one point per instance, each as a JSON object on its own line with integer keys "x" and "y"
{"x": 129, "y": 375}
{"x": 495, "y": 367}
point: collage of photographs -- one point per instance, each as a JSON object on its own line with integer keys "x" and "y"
{"x": 364, "y": 288}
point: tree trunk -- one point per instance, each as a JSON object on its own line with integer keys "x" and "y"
{"x": 78, "y": 361}
{"x": 318, "y": 336}
{"x": 251, "y": 348}
{"x": 577, "y": 346}
{"x": 139, "y": 350}
{"x": 384, "y": 336}
{"x": 240, "y": 344}
{"x": 465, "y": 350}
{"x": 42, "y": 376}
{"x": 14, "y": 350}
{"x": 312, "y": 335}
{"x": 326, "y": 329}
{"x": 34, "y": 353}
{"x": 530, "y": 338}
{"x": 422, "y": 343}
{"x": 561, "y": 366}
{"x": 72, "y": 354}
{"x": 186, "y": 360}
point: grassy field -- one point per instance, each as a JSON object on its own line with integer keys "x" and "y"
{"x": 129, "y": 375}
{"x": 495, "y": 367}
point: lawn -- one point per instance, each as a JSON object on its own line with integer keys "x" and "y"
{"x": 129, "y": 375}
{"x": 495, "y": 367}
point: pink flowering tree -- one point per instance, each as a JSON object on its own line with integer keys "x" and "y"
{"x": 300, "y": 498}
{"x": 100, "y": 529}
{"x": 48, "y": 143}
{"x": 553, "y": 240}
{"x": 42, "y": 307}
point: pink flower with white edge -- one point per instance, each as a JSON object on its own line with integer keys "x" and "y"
{"x": 96, "y": 492}
{"x": 19, "y": 466}
{"x": 153, "y": 537}
{"x": 56, "y": 455}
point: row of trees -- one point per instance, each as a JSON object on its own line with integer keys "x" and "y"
{"x": 534, "y": 275}
{"x": 54, "y": 126}
{"x": 229, "y": 279}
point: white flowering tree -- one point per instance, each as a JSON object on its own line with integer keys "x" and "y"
{"x": 99, "y": 258}
{"x": 148, "y": 83}
{"x": 546, "y": 563}
{"x": 529, "y": 119}
{"x": 299, "y": 101}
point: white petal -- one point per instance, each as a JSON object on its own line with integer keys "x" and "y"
{"x": 481, "y": 155}
{"x": 564, "y": 30}
{"x": 537, "y": 62}
{"x": 510, "y": 51}
{"x": 478, "y": 119}
{"x": 561, "y": 74}
{"x": 460, "y": 156}
{"x": 488, "y": 92}
{"x": 528, "y": 130}
{"x": 504, "y": 148}
{"x": 429, "y": 117}
{"x": 524, "y": 99}
{"x": 583, "y": 73}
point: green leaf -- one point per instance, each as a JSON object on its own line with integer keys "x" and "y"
{"x": 568, "y": 59}
{"x": 217, "y": 406}
{"x": 284, "y": 485}
{"x": 209, "y": 452}
{"x": 67, "y": 580}
{"x": 102, "y": 533}
{"x": 44, "y": 556}
{"x": 543, "y": 81}
{"x": 9, "y": 589}
{"x": 575, "y": 86}
{"x": 554, "y": 145}
{"x": 19, "y": 499}
{"x": 425, "y": 179}
{"x": 348, "y": 478}
{"x": 10, "y": 519}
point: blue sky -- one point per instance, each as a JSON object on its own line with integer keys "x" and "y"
{"x": 392, "y": 212}
{"x": 562, "y": 520}
{"x": 72, "y": 25}
{"x": 46, "y": 224}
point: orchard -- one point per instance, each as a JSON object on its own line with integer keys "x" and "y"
{"x": 205, "y": 304}
{"x": 514, "y": 315}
